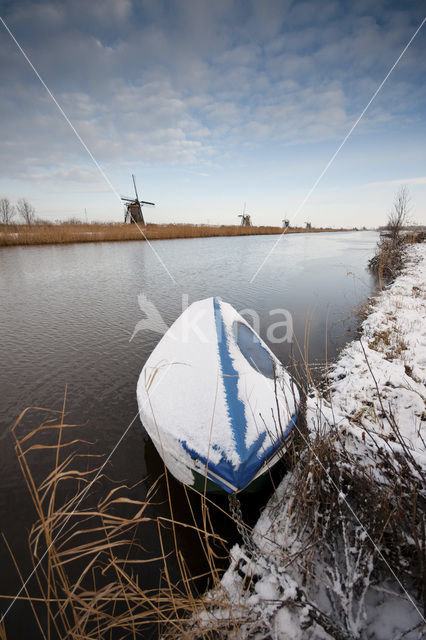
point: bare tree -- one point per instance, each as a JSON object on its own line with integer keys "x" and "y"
{"x": 398, "y": 215}
{"x": 388, "y": 260}
{"x": 7, "y": 211}
{"x": 26, "y": 211}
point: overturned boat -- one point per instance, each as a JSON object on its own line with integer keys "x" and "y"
{"x": 216, "y": 402}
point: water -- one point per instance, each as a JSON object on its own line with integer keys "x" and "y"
{"x": 67, "y": 314}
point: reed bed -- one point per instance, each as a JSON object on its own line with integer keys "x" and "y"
{"x": 66, "y": 233}
{"x": 88, "y": 546}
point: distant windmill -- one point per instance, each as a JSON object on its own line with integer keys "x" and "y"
{"x": 134, "y": 207}
{"x": 245, "y": 218}
{"x": 286, "y": 224}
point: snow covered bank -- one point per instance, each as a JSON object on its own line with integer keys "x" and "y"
{"x": 341, "y": 545}
{"x": 385, "y": 371}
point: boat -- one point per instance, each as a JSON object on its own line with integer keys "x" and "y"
{"x": 216, "y": 402}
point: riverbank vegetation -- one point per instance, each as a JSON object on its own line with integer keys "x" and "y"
{"x": 95, "y": 541}
{"x": 388, "y": 259}
{"x": 69, "y": 232}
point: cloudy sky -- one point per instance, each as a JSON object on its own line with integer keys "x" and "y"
{"x": 212, "y": 104}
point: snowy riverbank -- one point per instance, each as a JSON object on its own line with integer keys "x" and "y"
{"x": 341, "y": 543}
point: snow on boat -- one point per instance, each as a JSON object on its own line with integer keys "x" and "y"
{"x": 216, "y": 402}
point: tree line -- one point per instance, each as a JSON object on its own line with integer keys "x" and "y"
{"x": 23, "y": 210}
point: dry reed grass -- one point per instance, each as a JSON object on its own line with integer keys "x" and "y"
{"x": 15, "y": 235}
{"x": 87, "y": 546}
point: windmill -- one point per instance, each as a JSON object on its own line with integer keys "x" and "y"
{"x": 245, "y": 218}
{"x": 134, "y": 207}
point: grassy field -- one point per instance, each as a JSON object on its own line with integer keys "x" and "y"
{"x": 13, "y": 235}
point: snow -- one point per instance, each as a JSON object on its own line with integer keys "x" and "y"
{"x": 375, "y": 404}
{"x": 183, "y": 401}
{"x": 392, "y": 355}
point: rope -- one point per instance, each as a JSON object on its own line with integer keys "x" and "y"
{"x": 235, "y": 509}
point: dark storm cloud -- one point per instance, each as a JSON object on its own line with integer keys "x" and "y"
{"x": 188, "y": 81}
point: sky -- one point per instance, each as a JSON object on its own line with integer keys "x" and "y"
{"x": 212, "y": 105}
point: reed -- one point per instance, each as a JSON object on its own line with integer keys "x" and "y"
{"x": 88, "y": 545}
{"x": 66, "y": 233}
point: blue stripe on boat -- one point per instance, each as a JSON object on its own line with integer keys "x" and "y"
{"x": 241, "y": 477}
{"x": 251, "y": 458}
{"x": 236, "y": 409}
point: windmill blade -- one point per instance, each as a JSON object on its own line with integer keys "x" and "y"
{"x": 134, "y": 184}
{"x": 129, "y": 199}
{"x": 143, "y": 202}
{"x": 244, "y": 210}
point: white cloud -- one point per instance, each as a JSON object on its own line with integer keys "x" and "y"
{"x": 399, "y": 182}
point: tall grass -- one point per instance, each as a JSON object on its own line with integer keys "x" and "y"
{"x": 13, "y": 235}
{"x": 89, "y": 544}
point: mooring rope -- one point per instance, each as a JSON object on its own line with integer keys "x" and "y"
{"x": 235, "y": 509}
